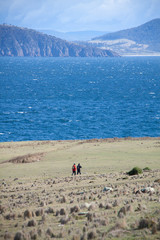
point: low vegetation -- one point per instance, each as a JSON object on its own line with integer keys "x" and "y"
{"x": 101, "y": 205}
{"x": 135, "y": 171}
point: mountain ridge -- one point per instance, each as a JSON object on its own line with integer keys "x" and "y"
{"x": 19, "y": 41}
{"x": 144, "y": 38}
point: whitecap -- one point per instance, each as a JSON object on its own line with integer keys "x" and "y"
{"x": 152, "y": 93}
{"x": 29, "y": 107}
{"x": 6, "y": 112}
{"x": 1, "y": 133}
{"x": 20, "y": 112}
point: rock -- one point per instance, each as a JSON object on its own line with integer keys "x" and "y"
{"x": 107, "y": 189}
{"x": 80, "y": 193}
{"x": 148, "y": 190}
{"x": 82, "y": 213}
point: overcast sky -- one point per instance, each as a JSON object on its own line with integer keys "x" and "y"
{"x": 78, "y": 15}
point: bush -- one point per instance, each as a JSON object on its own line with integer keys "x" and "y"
{"x": 145, "y": 223}
{"x": 31, "y": 223}
{"x": 135, "y": 171}
{"x": 19, "y": 236}
{"x": 146, "y": 169}
{"x": 91, "y": 235}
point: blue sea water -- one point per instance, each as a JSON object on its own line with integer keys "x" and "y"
{"x": 79, "y": 98}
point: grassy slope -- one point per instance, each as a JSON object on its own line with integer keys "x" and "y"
{"x": 96, "y": 156}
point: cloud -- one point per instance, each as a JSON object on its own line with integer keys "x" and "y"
{"x": 68, "y": 15}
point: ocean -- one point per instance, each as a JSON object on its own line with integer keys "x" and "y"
{"x": 79, "y": 98}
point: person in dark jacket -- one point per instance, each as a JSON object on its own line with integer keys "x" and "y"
{"x": 79, "y": 168}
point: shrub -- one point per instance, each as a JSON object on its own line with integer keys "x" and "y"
{"x": 91, "y": 235}
{"x": 27, "y": 214}
{"x": 10, "y": 216}
{"x": 31, "y": 223}
{"x": 19, "y": 236}
{"x": 75, "y": 209}
{"x": 64, "y": 220}
{"x": 7, "y": 236}
{"x": 146, "y": 169}
{"x": 50, "y": 233}
{"x": 145, "y": 223}
{"x": 33, "y": 234}
{"x": 122, "y": 212}
{"x": 89, "y": 217}
{"x": 135, "y": 171}
{"x": 39, "y": 212}
{"x": 62, "y": 211}
{"x": 49, "y": 210}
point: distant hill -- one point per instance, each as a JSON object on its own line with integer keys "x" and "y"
{"x": 16, "y": 41}
{"x": 74, "y": 36}
{"x": 139, "y": 40}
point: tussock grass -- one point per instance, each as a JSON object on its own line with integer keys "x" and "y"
{"x": 41, "y": 200}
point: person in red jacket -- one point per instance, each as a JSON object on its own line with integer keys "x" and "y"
{"x": 74, "y": 169}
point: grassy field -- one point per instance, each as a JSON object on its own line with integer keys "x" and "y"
{"x": 41, "y": 200}
{"x": 95, "y": 156}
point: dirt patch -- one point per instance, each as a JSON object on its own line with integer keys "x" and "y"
{"x": 29, "y": 158}
{"x": 111, "y": 140}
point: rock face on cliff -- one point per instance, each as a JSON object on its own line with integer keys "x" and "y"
{"x": 15, "y": 41}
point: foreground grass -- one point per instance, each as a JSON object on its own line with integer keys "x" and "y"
{"x": 41, "y": 199}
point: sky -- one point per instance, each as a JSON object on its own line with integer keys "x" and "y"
{"x": 78, "y": 15}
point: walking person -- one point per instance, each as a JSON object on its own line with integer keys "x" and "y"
{"x": 79, "y": 168}
{"x": 74, "y": 169}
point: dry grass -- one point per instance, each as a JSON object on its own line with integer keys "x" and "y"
{"x": 46, "y": 201}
